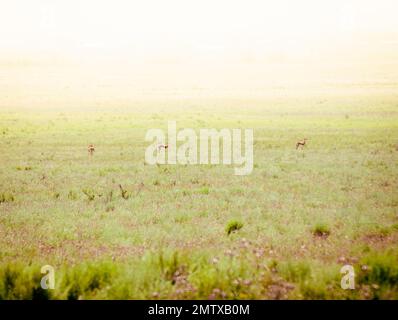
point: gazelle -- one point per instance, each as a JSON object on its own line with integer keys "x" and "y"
{"x": 90, "y": 149}
{"x": 301, "y": 143}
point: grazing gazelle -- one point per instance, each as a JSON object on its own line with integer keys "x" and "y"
{"x": 301, "y": 143}
{"x": 90, "y": 149}
{"x": 162, "y": 146}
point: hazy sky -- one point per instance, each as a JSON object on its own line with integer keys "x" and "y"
{"x": 167, "y": 29}
{"x": 55, "y": 52}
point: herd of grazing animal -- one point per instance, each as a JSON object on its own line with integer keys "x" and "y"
{"x": 91, "y": 148}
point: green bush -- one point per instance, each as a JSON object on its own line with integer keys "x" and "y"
{"x": 233, "y": 225}
{"x": 321, "y": 230}
{"x": 86, "y": 280}
{"x": 382, "y": 269}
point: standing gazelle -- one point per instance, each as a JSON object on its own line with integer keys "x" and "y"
{"x": 90, "y": 149}
{"x": 301, "y": 143}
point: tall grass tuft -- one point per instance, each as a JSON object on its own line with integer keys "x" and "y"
{"x": 18, "y": 282}
{"x": 125, "y": 194}
{"x": 89, "y": 194}
{"x": 6, "y": 197}
{"x": 321, "y": 230}
{"x": 233, "y": 226}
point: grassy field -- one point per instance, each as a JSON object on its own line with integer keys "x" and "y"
{"x": 302, "y": 214}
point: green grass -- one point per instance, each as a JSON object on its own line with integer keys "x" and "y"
{"x": 114, "y": 227}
